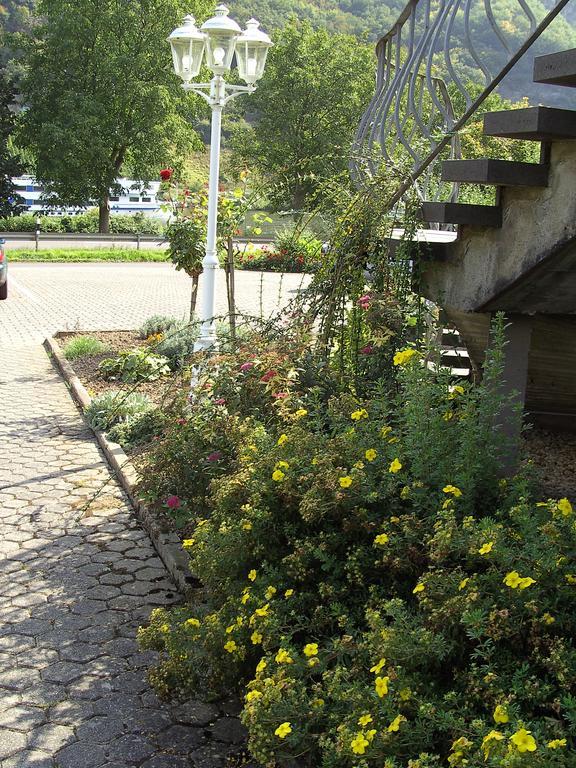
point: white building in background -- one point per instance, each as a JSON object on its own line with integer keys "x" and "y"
{"x": 132, "y": 199}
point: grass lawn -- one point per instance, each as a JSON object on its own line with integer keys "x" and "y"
{"x": 87, "y": 254}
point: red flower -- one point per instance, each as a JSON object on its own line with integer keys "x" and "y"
{"x": 280, "y": 395}
{"x": 166, "y": 174}
{"x": 269, "y": 375}
{"x": 181, "y": 421}
{"x": 367, "y": 350}
{"x": 220, "y": 401}
{"x": 173, "y": 502}
{"x": 246, "y": 366}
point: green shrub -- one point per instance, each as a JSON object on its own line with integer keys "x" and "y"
{"x": 291, "y": 252}
{"x": 81, "y": 346}
{"x": 134, "y": 365}
{"x": 382, "y": 597}
{"x": 87, "y": 222}
{"x": 139, "y": 428}
{"x": 157, "y": 324}
{"x": 177, "y": 344}
{"x": 110, "y": 408}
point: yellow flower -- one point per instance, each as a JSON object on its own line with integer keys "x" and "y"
{"x": 230, "y": 629}
{"x": 253, "y": 695}
{"x": 556, "y": 743}
{"x": 370, "y": 454}
{"x": 359, "y": 465}
{"x": 278, "y": 475}
{"x": 526, "y": 582}
{"x": 247, "y": 526}
{"x": 245, "y": 597}
{"x": 311, "y": 649}
{"x": 192, "y": 623}
{"x": 405, "y": 694}
{"x": 487, "y": 742}
{"x": 359, "y": 744}
{"x": 381, "y": 539}
{"x": 564, "y": 507}
{"x": 261, "y": 666}
{"x": 270, "y": 592}
{"x": 252, "y": 575}
{"x": 283, "y": 730}
{"x": 381, "y": 685}
{"x": 365, "y": 720}
{"x": 548, "y": 618}
{"x": 256, "y": 638}
{"x": 188, "y": 543}
{"x": 512, "y": 579}
{"x": 262, "y": 611}
{"x": 570, "y": 578}
{"x": 455, "y": 391}
{"x": 395, "y": 466}
{"x": 395, "y": 724}
{"x": 288, "y": 593}
{"x": 448, "y": 416}
{"x": 345, "y": 482}
{"x": 281, "y": 465}
{"x": 301, "y": 412}
{"x": 523, "y": 741}
{"x": 486, "y": 548}
{"x": 165, "y": 628}
{"x": 231, "y": 646}
{"x": 317, "y": 703}
{"x": 394, "y": 519}
{"x": 404, "y": 356}
{"x": 453, "y": 489}
{"x": 283, "y": 657}
{"x": 385, "y": 431}
{"x": 370, "y": 734}
{"x": 377, "y": 668}
{"x": 500, "y": 714}
{"x": 282, "y": 439}
{"x": 361, "y": 413}
{"x": 418, "y": 588}
{"x": 313, "y": 661}
{"x": 393, "y": 440}
{"x": 463, "y": 583}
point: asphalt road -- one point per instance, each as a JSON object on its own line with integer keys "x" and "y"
{"x": 45, "y": 298}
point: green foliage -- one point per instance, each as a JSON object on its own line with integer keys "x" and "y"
{"x": 186, "y": 245}
{"x": 85, "y": 255}
{"x": 112, "y": 407}
{"x": 87, "y": 222}
{"x": 133, "y": 366}
{"x": 101, "y": 96}
{"x": 178, "y": 344}
{"x": 10, "y": 201}
{"x": 138, "y": 429}
{"x": 293, "y": 251}
{"x": 377, "y": 590}
{"x": 81, "y": 346}
{"x": 157, "y": 324}
{"x": 299, "y": 141}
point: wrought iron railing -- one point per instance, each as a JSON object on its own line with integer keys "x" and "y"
{"x": 433, "y": 74}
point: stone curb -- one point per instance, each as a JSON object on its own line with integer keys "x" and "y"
{"x": 167, "y": 545}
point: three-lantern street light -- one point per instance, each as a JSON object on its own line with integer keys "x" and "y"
{"x": 217, "y": 40}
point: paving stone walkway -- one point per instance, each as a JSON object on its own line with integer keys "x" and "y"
{"x": 76, "y": 580}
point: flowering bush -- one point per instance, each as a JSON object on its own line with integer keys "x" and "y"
{"x": 378, "y": 594}
{"x": 290, "y": 252}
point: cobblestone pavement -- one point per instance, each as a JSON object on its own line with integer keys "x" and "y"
{"x": 45, "y": 298}
{"x": 77, "y": 579}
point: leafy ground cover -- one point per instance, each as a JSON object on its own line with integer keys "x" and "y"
{"x": 86, "y": 254}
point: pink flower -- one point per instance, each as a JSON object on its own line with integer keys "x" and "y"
{"x": 173, "y": 502}
{"x": 220, "y": 401}
{"x": 280, "y": 395}
{"x": 214, "y": 456}
{"x": 246, "y": 366}
{"x": 364, "y": 301}
{"x": 180, "y": 421}
{"x": 367, "y": 350}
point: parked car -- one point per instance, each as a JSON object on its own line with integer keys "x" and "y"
{"x": 3, "y": 272}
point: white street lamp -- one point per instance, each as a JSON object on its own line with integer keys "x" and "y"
{"x": 220, "y": 38}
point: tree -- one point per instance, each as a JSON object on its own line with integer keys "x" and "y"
{"x": 10, "y": 202}
{"x": 101, "y": 96}
{"x": 308, "y": 105}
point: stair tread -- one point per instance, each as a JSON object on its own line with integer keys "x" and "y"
{"x": 556, "y": 68}
{"x": 532, "y": 124}
{"x": 462, "y": 213}
{"x": 495, "y": 172}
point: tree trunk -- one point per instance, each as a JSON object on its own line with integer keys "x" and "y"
{"x": 194, "y": 296}
{"x": 104, "y": 215}
{"x": 298, "y": 200}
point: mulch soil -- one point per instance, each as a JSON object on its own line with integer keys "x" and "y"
{"x": 86, "y": 368}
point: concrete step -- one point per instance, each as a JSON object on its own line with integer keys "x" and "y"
{"x": 462, "y": 213}
{"x": 455, "y": 358}
{"x": 497, "y": 172}
{"x": 532, "y": 124}
{"x": 556, "y": 68}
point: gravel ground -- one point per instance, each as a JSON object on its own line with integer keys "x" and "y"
{"x": 554, "y": 457}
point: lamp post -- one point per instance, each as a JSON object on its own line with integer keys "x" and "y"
{"x": 217, "y": 40}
